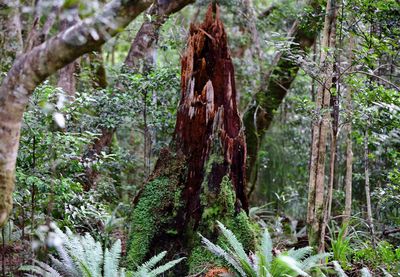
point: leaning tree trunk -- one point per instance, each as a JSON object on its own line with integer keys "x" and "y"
{"x": 200, "y": 177}
{"x": 275, "y": 85}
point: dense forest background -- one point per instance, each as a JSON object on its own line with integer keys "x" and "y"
{"x": 252, "y": 138}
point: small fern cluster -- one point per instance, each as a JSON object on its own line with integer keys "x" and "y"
{"x": 263, "y": 263}
{"x": 82, "y": 256}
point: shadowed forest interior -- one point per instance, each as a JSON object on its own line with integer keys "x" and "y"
{"x": 206, "y": 138}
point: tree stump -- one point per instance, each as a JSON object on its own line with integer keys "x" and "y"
{"x": 200, "y": 177}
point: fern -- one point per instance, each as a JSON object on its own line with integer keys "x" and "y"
{"x": 263, "y": 263}
{"x": 146, "y": 269}
{"x": 300, "y": 253}
{"x": 111, "y": 260}
{"x": 163, "y": 268}
{"x": 218, "y": 251}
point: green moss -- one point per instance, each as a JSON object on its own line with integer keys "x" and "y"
{"x": 220, "y": 206}
{"x": 154, "y": 214}
{"x": 201, "y": 258}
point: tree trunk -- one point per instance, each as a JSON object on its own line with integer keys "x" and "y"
{"x": 258, "y": 116}
{"x": 10, "y": 33}
{"x": 66, "y": 75}
{"x": 200, "y": 178}
{"x": 349, "y": 146}
{"x": 367, "y": 188}
{"x": 33, "y": 67}
{"x": 315, "y": 214}
{"x": 98, "y": 71}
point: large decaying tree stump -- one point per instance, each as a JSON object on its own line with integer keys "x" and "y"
{"x": 200, "y": 178}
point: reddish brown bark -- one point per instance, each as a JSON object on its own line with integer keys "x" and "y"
{"x": 204, "y": 166}
{"x": 209, "y": 98}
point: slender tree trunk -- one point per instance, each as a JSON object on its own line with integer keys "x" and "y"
{"x": 200, "y": 177}
{"x": 367, "y": 188}
{"x": 30, "y": 69}
{"x": 349, "y": 146}
{"x": 316, "y": 211}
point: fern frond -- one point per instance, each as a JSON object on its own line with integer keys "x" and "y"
{"x": 148, "y": 265}
{"x": 266, "y": 248}
{"x": 299, "y": 254}
{"x": 48, "y": 269}
{"x": 218, "y": 251}
{"x": 163, "y": 268}
{"x": 41, "y": 269}
{"x": 93, "y": 257}
{"x": 111, "y": 260}
{"x": 286, "y": 262}
{"x": 234, "y": 243}
{"x": 65, "y": 269}
{"x": 339, "y": 270}
{"x": 313, "y": 261}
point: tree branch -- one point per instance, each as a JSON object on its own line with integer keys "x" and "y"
{"x": 35, "y": 66}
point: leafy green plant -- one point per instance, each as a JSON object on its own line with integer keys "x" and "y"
{"x": 294, "y": 262}
{"x": 82, "y": 256}
{"x": 383, "y": 256}
{"x": 340, "y": 245}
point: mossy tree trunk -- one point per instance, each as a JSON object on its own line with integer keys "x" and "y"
{"x": 200, "y": 178}
{"x": 276, "y": 83}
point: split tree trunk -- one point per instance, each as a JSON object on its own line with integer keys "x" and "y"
{"x": 315, "y": 214}
{"x": 200, "y": 177}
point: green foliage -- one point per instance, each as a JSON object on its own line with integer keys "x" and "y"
{"x": 82, "y": 256}
{"x": 155, "y": 212}
{"x": 384, "y": 255}
{"x": 340, "y": 245}
{"x": 263, "y": 263}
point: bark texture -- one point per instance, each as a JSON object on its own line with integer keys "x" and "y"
{"x": 274, "y": 86}
{"x": 348, "y": 180}
{"x": 143, "y": 45}
{"x": 33, "y": 67}
{"x": 367, "y": 186}
{"x": 66, "y": 78}
{"x": 320, "y": 128}
{"x": 200, "y": 178}
{"x": 10, "y": 33}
